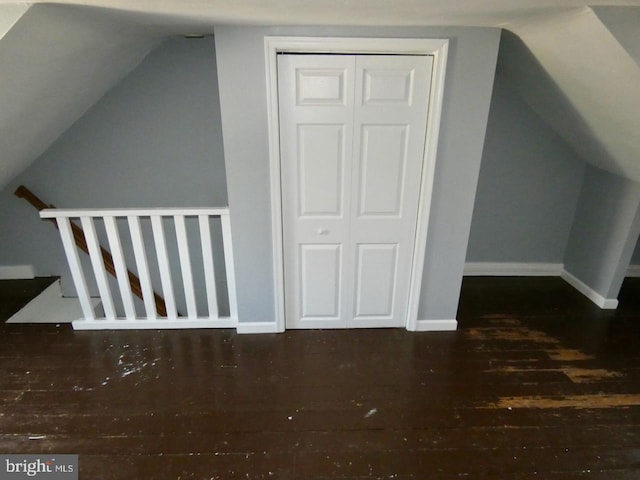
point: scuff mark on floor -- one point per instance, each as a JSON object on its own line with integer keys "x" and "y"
{"x": 566, "y": 358}
{"x": 575, "y": 374}
{"x": 587, "y": 375}
{"x": 567, "y": 355}
{"x": 511, "y": 334}
{"x": 551, "y": 346}
{"x": 595, "y": 401}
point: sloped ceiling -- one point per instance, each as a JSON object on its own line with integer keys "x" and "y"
{"x": 575, "y": 63}
{"x": 9, "y": 15}
{"x": 578, "y": 77}
{"x": 56, "y": 62}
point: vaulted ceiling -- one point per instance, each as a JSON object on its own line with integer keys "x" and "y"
{"x": 576, "y": 64}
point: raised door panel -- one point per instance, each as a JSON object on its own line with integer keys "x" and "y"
{"x": 321, "y": 161}
{"x": 320, "y": 267}
{"x": 384, "y": 86}
{"x": 382, "y": 169}
{"x": 376, "y": 278}
{"x": 320, "y": 86}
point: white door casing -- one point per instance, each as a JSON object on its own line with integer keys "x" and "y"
{"x": 352, "y": 136}
{"x": 273, "y": 46}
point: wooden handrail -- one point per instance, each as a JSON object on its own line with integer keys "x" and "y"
{"x": 78, "y": 235}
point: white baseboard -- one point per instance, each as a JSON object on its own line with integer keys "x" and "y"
{"x": 257, "y": 327}
{"x": 436, "y": 325}
{"x": 512, "y": 269}
{"x": 16, "y": 272}
{"x": 144, "y": 324}
{"x": 633, "y": 271}
{"x": 590, "y": 293}
{"x": 515, "y": 269}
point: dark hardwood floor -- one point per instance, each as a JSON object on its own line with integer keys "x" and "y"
{"x": 537, "y": 383}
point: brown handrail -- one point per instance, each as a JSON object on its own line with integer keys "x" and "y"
{"x": 78, "y": 235}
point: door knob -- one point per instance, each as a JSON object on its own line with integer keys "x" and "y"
{"x": 323, "y": 231}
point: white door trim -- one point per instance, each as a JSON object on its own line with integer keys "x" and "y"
{"x": 403, "y": 46}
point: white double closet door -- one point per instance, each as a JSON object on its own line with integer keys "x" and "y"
{"x": 352, "y": 134}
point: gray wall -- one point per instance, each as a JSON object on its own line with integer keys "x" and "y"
{"x": 154, "y": 140}
{"x": 471, "y": 66}
{"x": 622, "y": 22}
{"x": 635, "y": 259}
{"x": 528, "y": 188}
{"x": 604, "y": 232}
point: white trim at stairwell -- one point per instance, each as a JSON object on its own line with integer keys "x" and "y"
{"x": 590, "y": 293}
{"x": 16, "y": 272}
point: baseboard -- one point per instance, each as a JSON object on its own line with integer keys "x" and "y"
{"x": 436, "y": 325}
{"x": 590, "y": 293}
{"x": 633, "y": 271}
{"x": 257, "y": 327}
{"x": 512, "y": 269}
{"x": 16, "y": 272}
{"x": 160, "y": 324}
{"x": 421, "y": 326}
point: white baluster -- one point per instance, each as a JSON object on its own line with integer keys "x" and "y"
{"x": 64, "y": 224}
{"x": 185, "y": 265}
{"x": 98, "y": 267}
{"x": 163, "y": 265}
{"x": 228, "y": 261}
{"x": 120, "y": 266}
{"x": 143, "y": 267}
{"x": 209, "y": 267}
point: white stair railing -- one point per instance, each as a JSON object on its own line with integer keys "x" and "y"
{"x": 120, "y": 310}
